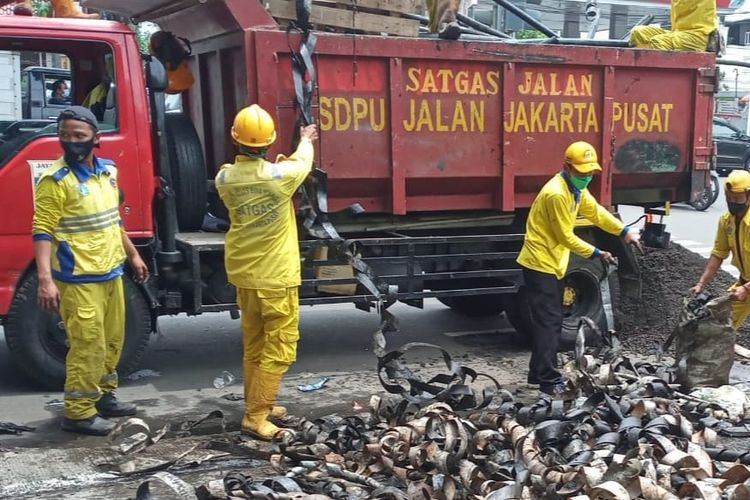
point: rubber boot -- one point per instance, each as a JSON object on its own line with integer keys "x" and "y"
{"x": 94, "y": 426}
{"x": 109, "y": 406}
{"x": 249, "y": 369}
{"x": 450, "y": 31}
{"x": 66, "y": 8}
{"x": 23, "y": 9}
{"x": 261, "y": 395}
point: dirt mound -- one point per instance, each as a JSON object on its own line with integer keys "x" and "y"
{"x": 667, "y": 276}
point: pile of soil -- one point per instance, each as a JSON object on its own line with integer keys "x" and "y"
{"x": 667, "y": 275}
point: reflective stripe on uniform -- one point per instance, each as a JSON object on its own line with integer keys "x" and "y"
{"x": 82, "y": 394}
{"x": 109, "y": 377}
{"x": 91, "y": 222}
{"x": 113, "y": 220}
{"x": 76, "y": 218}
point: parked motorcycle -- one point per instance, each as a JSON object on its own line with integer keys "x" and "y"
{"x": 709, "y": 195}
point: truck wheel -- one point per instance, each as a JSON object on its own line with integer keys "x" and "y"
{"x": 188, "y": 169}
{"x": 475, "y": 306}
{"x": 37, "y": 341}
{"x": 582, "y": 297}
{"x": 518, "y": 314}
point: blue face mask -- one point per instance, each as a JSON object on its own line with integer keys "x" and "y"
{"x": 581, "y": 183}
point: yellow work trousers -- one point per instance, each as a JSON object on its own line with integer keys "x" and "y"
{"x": 653, "y": 37}
{"x": 94, "y": 318}
{"x": 270, "y": 327}
{"x": 442, "y": 11}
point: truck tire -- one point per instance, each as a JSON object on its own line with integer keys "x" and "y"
{"x": 518, "y": 314}
{"x": 37, "y": 342}
{"x": 188, "y": 169}
{"x": 475, "y": 306}
{"x": 584, "y": 295}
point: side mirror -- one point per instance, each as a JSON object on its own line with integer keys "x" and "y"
{"x": 156, "y": 75}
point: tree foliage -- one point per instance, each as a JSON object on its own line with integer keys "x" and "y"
{"x": 41, "y": 8}
{"x": 527, "y": 34}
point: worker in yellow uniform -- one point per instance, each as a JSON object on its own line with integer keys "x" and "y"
{"x": 80, "y": 248}
{"x": 693, "y": 23}
{"x": 262, "y": 258}
{"x": 546, "y": 251}
{"x": 733, "y": 236}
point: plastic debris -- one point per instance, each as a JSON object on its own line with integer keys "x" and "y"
{"x": 186, "y": 428}
{"x": 54, "y": 403}
{"x": 183, "y": 490}
{"x": 224, "y": 380}
{"x": 233, "y": 396}
{"x": 134, "y": 435}
{"x": 357, "y": 407}
{"x": 11, "y": 428}
{"x": 741, "y": 351}
{"x": 146, "y": 373}
{"x": 731, "y": 399}
{"x": 314, "y": 386}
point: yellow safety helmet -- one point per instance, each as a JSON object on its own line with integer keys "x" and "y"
{"x": 582, "y": 157}
{"x": 738, "y": 181}
{"x": 254, "y": 127}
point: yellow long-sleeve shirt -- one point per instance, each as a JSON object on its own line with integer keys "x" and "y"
{"x": 77, "y": 210}
{"x": 728, "y": 236}
{"x": 550, "y": 235}
{"x": 262, "y": 248}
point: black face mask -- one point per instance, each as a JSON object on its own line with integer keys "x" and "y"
{"x": 77, "y": 151}
{"x": 736, "y": 208}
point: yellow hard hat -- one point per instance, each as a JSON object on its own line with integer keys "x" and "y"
{"x": 738, "y": 181}
{"x": 254, "y": 127}
{"x": 582, "y": 157}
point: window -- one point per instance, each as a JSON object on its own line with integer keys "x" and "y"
{"x": 721, "y": 130}
{"x": 747, "y": 38}
{"x": 57, "y": 89}
{"x": 46, "y": 83}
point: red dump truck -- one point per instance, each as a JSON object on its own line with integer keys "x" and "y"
{"x": 443, "y": 144}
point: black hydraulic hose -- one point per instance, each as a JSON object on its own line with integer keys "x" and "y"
{"x": 647, "y": 19}
{"x": 465, "y": 20}
{"x": 473, "y": 23}
{"x": 417, "y": 17}
{"x": 584, "y": 42}
{"x": 591, "y": 43}
{"x": 525, "y": 16}
{"x": 725, "y": 62}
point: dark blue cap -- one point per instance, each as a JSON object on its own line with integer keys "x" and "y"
{"x": 81, "y": 114}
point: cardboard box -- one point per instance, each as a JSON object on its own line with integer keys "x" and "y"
{"x": 333, "y": 272}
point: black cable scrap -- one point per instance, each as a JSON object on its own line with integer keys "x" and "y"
{"x": 626, "y": 428}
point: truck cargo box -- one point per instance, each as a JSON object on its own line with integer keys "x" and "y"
{"x": 422, "y": 125}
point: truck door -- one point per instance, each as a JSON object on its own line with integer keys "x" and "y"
{"x": 29, "y": 144}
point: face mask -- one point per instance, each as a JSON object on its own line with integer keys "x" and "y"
{"x": 77, "y": 151}
{"x": 581, "y": 183}
{"x": 736, "y": 208}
